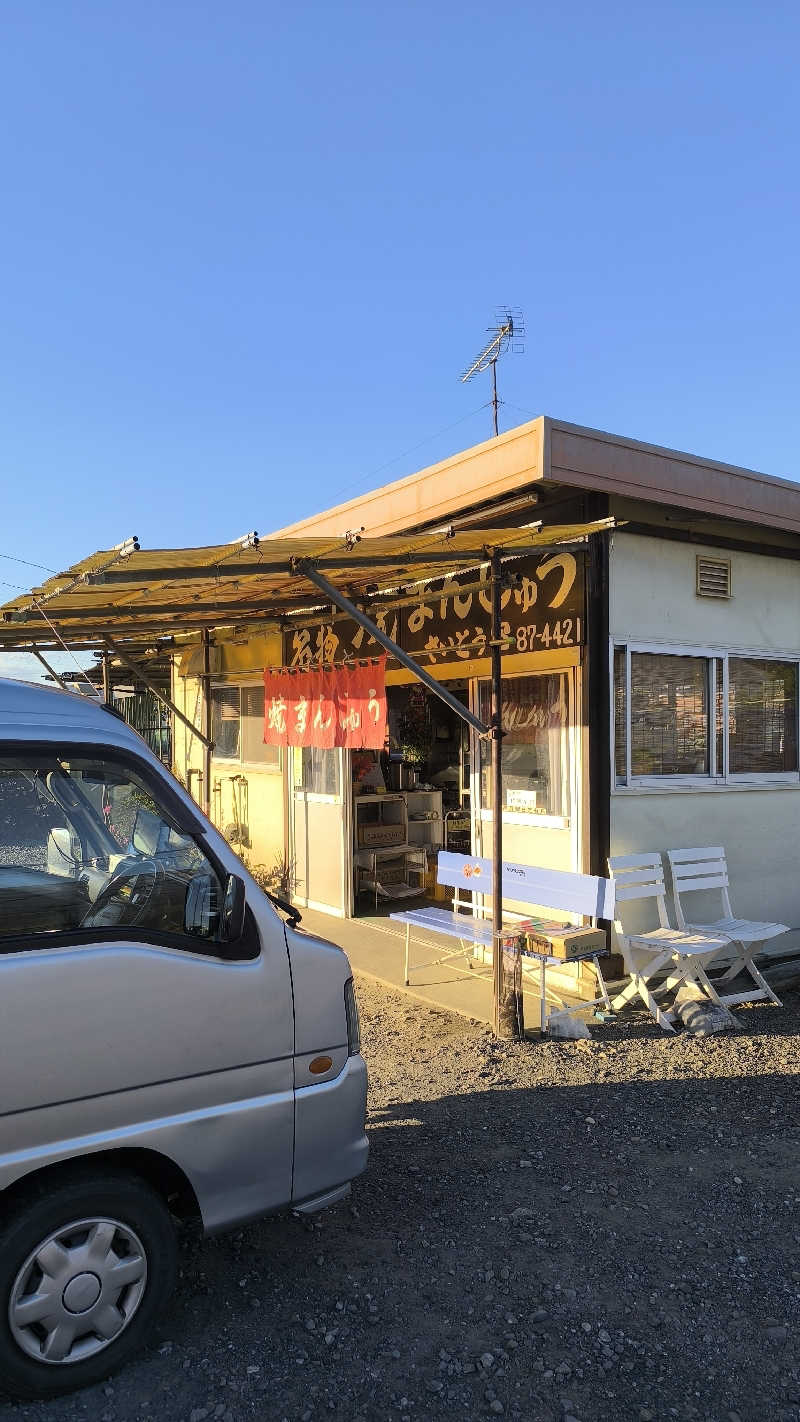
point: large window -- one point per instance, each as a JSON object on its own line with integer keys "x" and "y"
{"x": 237, "y": 726}
{"x": 669, "y": 715}
{"x": 84, "y": 846}
{"x": 535, "y": 745}
{"x": 716, "y": 716}
{"x": 762, "y": 715}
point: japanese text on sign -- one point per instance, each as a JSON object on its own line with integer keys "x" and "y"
{"x": 542, "y": 608}
{"x": 341, "y": 706}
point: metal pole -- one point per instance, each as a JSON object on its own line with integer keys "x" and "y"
{"x": 151, "y": 686}
{"x": 345, "y": 605}
{"x": 494, "y": 395}
{"x": 50, "y": 670}
{"x": 508, "y": 1010}
{"x": 497, "y": 794}
{"x": 206, "y": 737}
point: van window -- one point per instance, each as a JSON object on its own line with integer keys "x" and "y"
{"x": 85, "y": 845}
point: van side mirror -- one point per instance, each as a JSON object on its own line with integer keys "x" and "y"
{"x": 63, "y": 853}
{"x": 233, "y": 909}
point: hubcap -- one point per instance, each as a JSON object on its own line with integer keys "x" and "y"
{"x": 77, "y": 1291}
{"x": 81, "y": 1293}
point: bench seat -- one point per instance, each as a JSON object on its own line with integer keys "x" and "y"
{"x": 457, "y": 925}
{"x": 454, "y": 925}
{"x": 575, "y": 894}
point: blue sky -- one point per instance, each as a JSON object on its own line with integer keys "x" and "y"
{"x": 247, "y": 250}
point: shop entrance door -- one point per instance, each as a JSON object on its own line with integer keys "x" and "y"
{"x": 320, "y": 829}
{"x": 541, "y": 763}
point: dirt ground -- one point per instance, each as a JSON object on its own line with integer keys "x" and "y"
{"x": 590, "y": 1230}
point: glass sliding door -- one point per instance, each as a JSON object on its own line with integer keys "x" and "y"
{"x": 320, "y": 829}
{"x": 539, "y": 784}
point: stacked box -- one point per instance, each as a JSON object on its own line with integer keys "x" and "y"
{"x": 562, "y": 940}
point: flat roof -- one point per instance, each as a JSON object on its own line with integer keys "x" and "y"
{"x": 545, "y": 452}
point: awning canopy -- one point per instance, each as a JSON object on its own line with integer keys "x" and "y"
{"x": 138, "y": 596}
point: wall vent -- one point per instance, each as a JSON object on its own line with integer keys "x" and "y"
{"x": 713, "y": 577}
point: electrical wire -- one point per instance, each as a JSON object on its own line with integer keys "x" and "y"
{"x": 28, "y": 564}
{"x": 58, "y": 636}
{"x": 373, "y": 473}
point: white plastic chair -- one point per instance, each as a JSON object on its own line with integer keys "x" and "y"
{"x": 673, "y": 956}
{"x": 694, "y": 869}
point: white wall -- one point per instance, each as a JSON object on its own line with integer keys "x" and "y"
{"x": 653, "y": 599}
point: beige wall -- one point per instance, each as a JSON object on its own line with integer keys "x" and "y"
{"x": 653, "y": 599}
{"x": 262, "y": 796}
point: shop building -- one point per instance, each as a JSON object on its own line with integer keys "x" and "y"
{"x": 650, "y": 681}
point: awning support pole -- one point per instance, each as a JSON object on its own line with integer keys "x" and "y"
{"x": 151, "y": 686}
{"x": 106, "y": 679}
{"x": 344, "y": 604}
{"x": 206, "y": 736}
{"x": 50, "y": 670}
{"x": 509, "y": 1018}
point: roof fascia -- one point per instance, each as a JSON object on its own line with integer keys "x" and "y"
{"x": 486, "y": 471}
{"x": 584, "y": 458}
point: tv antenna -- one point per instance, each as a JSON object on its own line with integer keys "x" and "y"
{"x": 506, "y": 333}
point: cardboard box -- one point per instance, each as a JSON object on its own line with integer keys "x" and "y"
{"x": 562, "y": 940}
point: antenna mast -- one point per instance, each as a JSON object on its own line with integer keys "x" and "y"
{"x": 507, "y": 331}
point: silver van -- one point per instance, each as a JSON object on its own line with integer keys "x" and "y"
{"x": 172, "y": 1044}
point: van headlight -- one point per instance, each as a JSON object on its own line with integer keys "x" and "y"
{"x": 353, "y": 1025}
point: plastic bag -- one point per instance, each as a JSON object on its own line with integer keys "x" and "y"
{"x": 564, "y": 1025}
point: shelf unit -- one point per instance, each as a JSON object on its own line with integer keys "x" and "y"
{"x": 384, "y": 858}
{"x": 380, "y": 820}
{"x": 424, "y": 808}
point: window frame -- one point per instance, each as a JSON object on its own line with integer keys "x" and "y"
{"x": 569, "y": 760}
{"x": 251, "y": 765}
{"x": 718, "y": 776}
{"x": 246, "y": 948}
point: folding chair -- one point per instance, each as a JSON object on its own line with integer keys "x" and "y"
{"x": 673, "y": 956}
{"x": 694, "y": 869}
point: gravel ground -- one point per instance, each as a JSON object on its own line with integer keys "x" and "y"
{"x": 590, "y": 1230}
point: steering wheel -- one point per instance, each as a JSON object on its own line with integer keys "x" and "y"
{"x": 125, "y": 899}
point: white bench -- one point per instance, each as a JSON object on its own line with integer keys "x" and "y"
{"x": 582, "y": 895}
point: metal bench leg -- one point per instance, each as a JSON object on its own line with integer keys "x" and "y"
{"x": 542, "y": 1001}
{"x": 408, "y": 950}
{"x": 602, "y": 982}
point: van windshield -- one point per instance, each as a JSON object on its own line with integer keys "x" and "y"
{"x": 84, "y": 843}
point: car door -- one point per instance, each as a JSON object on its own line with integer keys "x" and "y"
{"x": 127, "y": 1020}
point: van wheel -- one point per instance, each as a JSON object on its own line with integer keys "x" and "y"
{"x": 84, "y": 1270}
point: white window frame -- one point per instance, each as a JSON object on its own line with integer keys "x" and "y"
{"x": 569, "y": 761}
{"x": 252, "y": 765}
{"x": 718, "y": 777}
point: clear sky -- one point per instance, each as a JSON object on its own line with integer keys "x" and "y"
{"x": 246, "y": 250}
